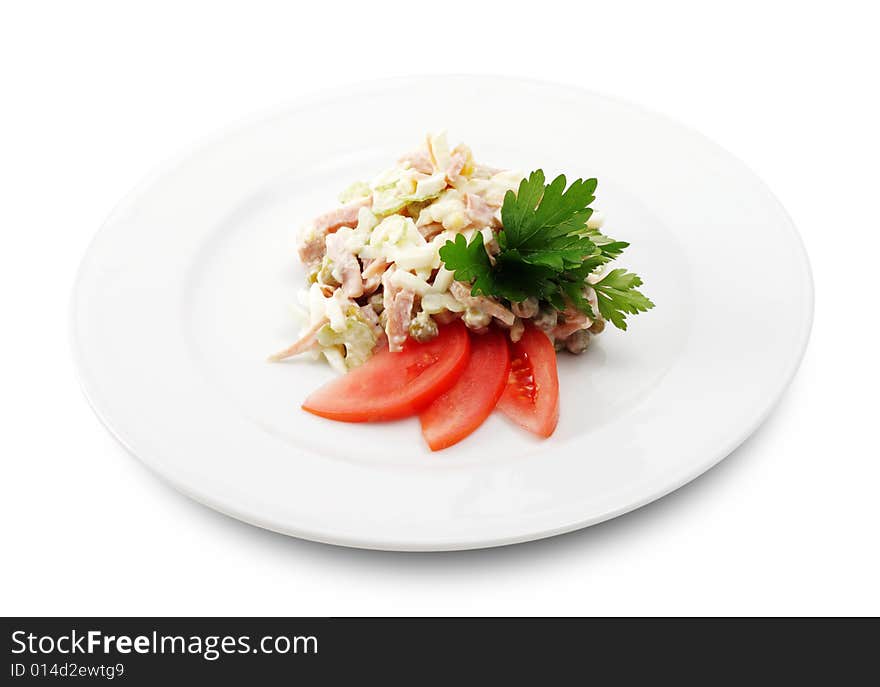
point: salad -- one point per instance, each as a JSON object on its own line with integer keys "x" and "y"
{"x": 444, "y": 288}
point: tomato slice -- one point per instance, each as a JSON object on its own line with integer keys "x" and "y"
{"x": 394, "y": 385}
{"x": 531, "y": 397}
{"x": 453, "y": 415}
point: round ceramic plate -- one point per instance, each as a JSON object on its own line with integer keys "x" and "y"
{"x": 190, "y": 283}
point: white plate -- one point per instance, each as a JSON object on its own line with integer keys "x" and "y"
{"x": 188, "y": 287}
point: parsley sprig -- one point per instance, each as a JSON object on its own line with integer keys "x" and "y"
{"x": 547, "y": 251}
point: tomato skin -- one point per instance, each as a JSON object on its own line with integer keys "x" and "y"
{"x": 395, "y": 385}
{"x": 531, "y": 397}
{"x": 455, "y": 414}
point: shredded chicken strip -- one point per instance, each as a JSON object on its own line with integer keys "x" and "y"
{"x": 429, "y": 231}
{"x": 457, "y": 163}
{"x": 312, "y": 246}
{"x": 517, "y": 330}
{"x": 370, "y": 314}
{"x": 373, "y": 320}
{"x": 389, "y": 290}
{"x": 569, "y": 327}
{"x": 479, "y": 212}
{"x": 372, "y": 274}
{"x": 399, "y": 318}
{"x": 485, "y": 172}
{"x": 574, "y": 321}
{"x": 375, "y": 267}
{"x": 398, "y": 304}
{"x": 419, "y": 160}
{"x": 462, "y": 293}
{"x": 345, "y": 266}
{"x": 304, "y": 343}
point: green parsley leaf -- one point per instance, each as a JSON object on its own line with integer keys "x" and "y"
{"x": 547, "y": 252}
{"x": 470, "y": 262}
{"x": 547, "y": 226}
{"x": 607, "y": 246}
{"x": 617, "y": 295}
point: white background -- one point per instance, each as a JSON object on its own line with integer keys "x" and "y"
{"x": 96, "y": 94}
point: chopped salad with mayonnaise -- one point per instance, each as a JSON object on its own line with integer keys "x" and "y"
{"x": 374, "y": 265}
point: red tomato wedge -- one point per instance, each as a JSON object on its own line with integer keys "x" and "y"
{"x": 394, "y": 385}
{"x": 453, "y": 415}
{"x": 531, "y": 397}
